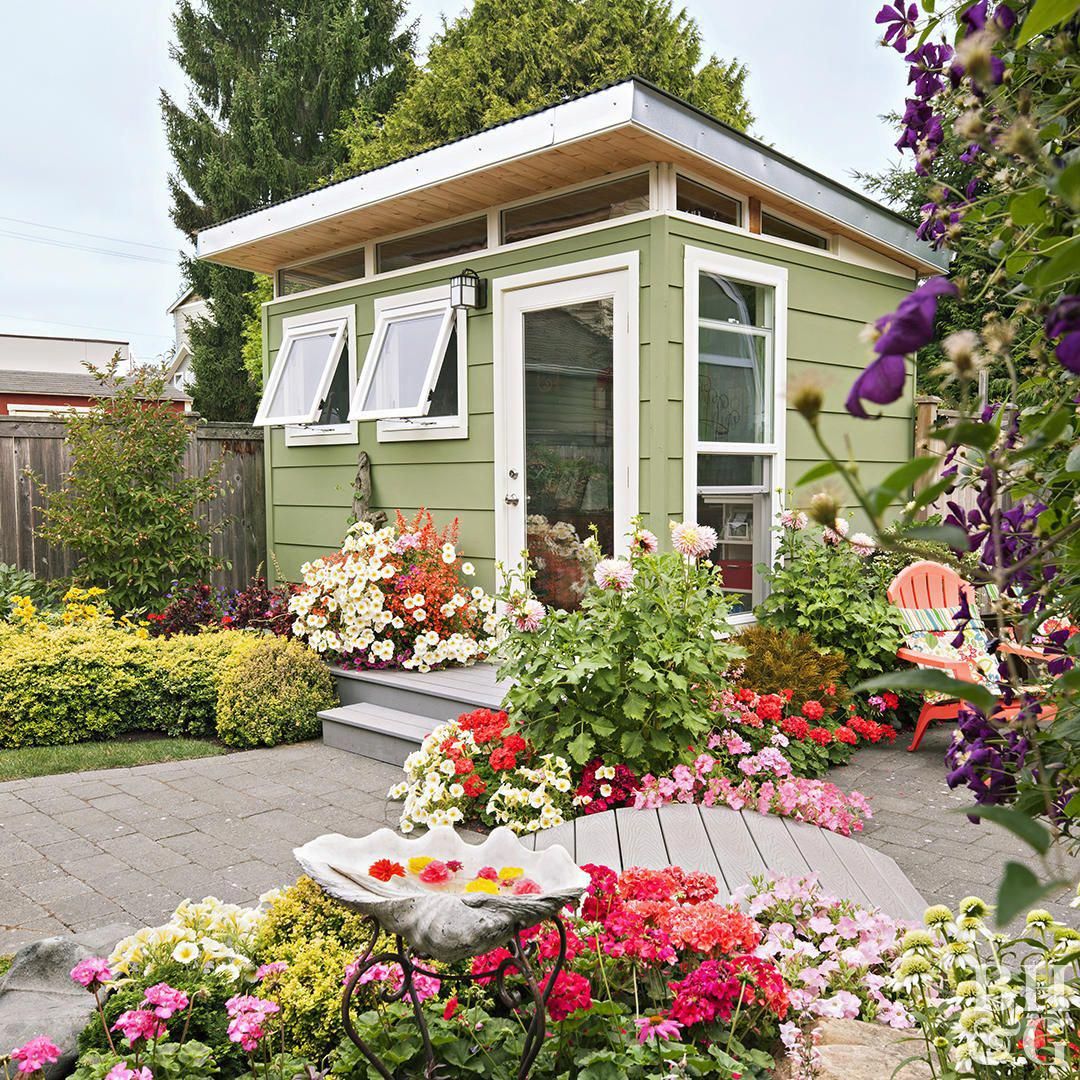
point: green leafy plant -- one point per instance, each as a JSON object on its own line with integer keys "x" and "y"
{"x": 779, "y": 659}
{"x": 125, "y": 506}
{"x": 271, "y": 691}
{"x": 629, "y": 676}
{"x": 16, "y": 582}
{"x": 836, "y": 596}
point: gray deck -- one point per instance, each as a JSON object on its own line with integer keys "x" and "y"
{"x": 735, "y": 846}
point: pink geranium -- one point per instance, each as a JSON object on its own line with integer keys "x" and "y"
{"x": 165, "y": 1000}
{"x": 136, "y": 1024}
{"x": 35, "y": 1055}
{"x": 93, "y": 972}
{"x": 121, "y": 1071}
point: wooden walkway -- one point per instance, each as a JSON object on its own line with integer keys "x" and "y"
{"x": 735, "y": 846}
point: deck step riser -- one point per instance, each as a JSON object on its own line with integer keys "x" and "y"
{"x": 355, "y": 692}
{"x": 380, "y": 745}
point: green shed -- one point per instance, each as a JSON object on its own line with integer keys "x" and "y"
{"x": 581, "y": 315}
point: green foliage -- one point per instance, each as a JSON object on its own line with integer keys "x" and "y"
{"x": 66, "y": 684}
{"x": 261, "y": 291}
{"x": 503, "y": 58}
{"x": 191, "y": 1060}
{"x": 318, "y": 937}
{"x": 835, "y": 596}
{"x": 125, "y": 507}
{"x": 16, "y": 582}
{"x": 897, "y": 551}
{"x": 781, "y": 659}
{"x": 630, "y": 675}
{"x": 272, "y": 689}
{"x": 268, "y": 83}
{"x": 30, "y": 761}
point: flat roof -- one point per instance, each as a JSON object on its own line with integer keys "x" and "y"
{"x": 607, "y": 130}
{"x": 67, "y": 384}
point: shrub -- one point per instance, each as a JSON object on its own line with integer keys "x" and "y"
{"x": 15, "y": 582}
{"x": 627, "y": 677}
{"x": 271, "y": 692}
{"x": 318, "y": 938}
{"x": 65, "y": 684}
{"x": 778, "y": 659}
{"x": 837, "y": 596}
{"x": 125, "y": 506}
{"x": 197, "y": 607}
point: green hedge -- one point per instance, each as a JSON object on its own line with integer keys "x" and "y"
{"x": 66, "y": 684}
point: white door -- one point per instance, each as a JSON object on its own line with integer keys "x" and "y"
{"x": 566, "y": 422}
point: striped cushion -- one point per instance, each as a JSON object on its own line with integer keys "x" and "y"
{"x": 937, "y": 620}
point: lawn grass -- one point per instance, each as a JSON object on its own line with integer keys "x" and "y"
{"x": 32, "y": 761}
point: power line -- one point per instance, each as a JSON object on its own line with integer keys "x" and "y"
{"x": 78, "y": 232}
{"x": 130, "y": 255}
{"x": 84, "y": 326}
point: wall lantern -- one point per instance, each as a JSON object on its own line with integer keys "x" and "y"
{"x": 468, "y": 290}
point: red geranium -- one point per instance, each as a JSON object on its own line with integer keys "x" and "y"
{"x": 474, "y": 786}
{"x": 822, "y": 736}
{"x": 502, "y": 759}
{"x": 795, "y": 727}
{"x": 486, "y": 725}
{"x": 813, "y": 710}
{"x": 845, "y": 735}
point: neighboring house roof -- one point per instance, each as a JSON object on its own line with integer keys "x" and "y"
{"x": 183, "y": 353}
{"x": 188, "y": 295}
{"x": 614, "y": 128}
{"x": 66, "y": 384}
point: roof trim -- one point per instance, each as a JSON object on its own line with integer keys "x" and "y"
{"x": 631, "y": 103}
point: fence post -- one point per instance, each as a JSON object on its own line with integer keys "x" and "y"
{"x": 926, "y": 414}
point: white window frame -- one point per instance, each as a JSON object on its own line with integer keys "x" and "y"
{"x": 384, "y": 320}
{"x": 323, "y": 434}
{"x": 321, "y": 326}
{"x": 697, "y": 261}
{"x": 430, "y": 428}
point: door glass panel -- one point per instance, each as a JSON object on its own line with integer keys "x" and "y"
{"x": 733, "y": 398}
{"x": 569, "y": 444}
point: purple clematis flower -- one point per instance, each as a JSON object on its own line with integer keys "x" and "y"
{"x": 1063, "y": 321}
{"x": 881, "y": 383}
{"x": 900, "y": 23}
{"x": 911, "y": 326}
{"x": 977, "y": 16}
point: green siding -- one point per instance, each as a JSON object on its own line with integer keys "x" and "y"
{"x": 309, "y": 489}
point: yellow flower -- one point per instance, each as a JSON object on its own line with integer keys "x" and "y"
{"x": 508, "y": 873}
{"x": 482, "y": 885}
{"x": 417, "y": 863}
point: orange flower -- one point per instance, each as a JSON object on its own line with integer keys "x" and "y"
{"x": 384, "y": 870}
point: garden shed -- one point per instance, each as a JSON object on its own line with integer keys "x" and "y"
{"x": 581, "y": 315}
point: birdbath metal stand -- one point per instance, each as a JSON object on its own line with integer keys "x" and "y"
{"x": 528, "y": 997}
{"x": 448, "y": 920}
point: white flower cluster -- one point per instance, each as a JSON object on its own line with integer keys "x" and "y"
{"x": 433, "y": 793}
{"x": 209, "y": 934}
{"x": 534, "y": 798}
{"x": 992, "y": 1006}
{"x": 344, "y": 605}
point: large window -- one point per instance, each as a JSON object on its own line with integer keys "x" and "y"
{"x": 586, "y": 206}
{"x": 413, "y": 379}
{"x": 309, "y": 382}
{"x": 735, "y": 333}
{"x": 771, "y": 225}
{"x": 442, "y": 243}
{"x": 333, "y": 270}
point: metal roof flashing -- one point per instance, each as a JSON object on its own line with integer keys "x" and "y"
{"x": 632, "y": 103}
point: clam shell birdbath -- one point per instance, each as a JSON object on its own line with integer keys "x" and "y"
{"x": 448, "y": 900}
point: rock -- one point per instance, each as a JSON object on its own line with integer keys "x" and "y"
{"x": 37, "y": 996}
{"x": 854, "y": 1050}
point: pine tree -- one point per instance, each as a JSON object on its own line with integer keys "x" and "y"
{"x": 268, "y": 82}
{"x": 505, "y": 57}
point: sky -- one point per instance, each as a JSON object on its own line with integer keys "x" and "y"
{"x": 86, "y": 245}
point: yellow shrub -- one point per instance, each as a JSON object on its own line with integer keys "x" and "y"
{"x": 271, "y": 691}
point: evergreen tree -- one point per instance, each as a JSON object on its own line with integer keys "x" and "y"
{"x": 269, "y": 81}
{"x": 506, "y": 57}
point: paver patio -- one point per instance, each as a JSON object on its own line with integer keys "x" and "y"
{"x": 84, "y": 850}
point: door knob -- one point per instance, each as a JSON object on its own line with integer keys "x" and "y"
{"x": 512, "y": 500}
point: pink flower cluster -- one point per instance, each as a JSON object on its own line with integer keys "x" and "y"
{"x": 768, "y": 788}
{"x": 136, "y": 1024}
{"x": 35, "y": 1055}
{"x": 426, "y": 986}
{"x": 833, "y": 953}
{"x": 266, "y": 971}
{"x": 164, "y": 1000}
{"x": 92, "y": 973}
{"x": 712, "y": 990}
{"x": 248, "y": 1015}
{"x": 122, "y": 1071}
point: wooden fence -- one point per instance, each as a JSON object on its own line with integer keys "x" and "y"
{"x": 31, "y": 446}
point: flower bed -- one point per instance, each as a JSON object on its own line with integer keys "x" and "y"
{"x": 394, "y": 597}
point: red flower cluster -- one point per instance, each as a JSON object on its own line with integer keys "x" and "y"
{"x": 813, "y": 710}
{"x": 871, "y": 730}
{"x": 606, "y": 792}
{"x": 570, "y": 993}
{"x": 712, "y": 990}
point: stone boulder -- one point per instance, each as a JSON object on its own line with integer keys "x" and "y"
{"x": 37, "y": 996}
{"x": 854, "y": 1050}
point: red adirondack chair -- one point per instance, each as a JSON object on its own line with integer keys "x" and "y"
{"x": 929, "y": 586}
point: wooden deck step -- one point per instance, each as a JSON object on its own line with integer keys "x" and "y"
{"x": 375, "y": 731}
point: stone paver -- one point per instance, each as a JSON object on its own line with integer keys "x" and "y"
{"x": 126, "y": 845}
{"x": 85, "y": 850}
{"x": 917, "y": 822}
